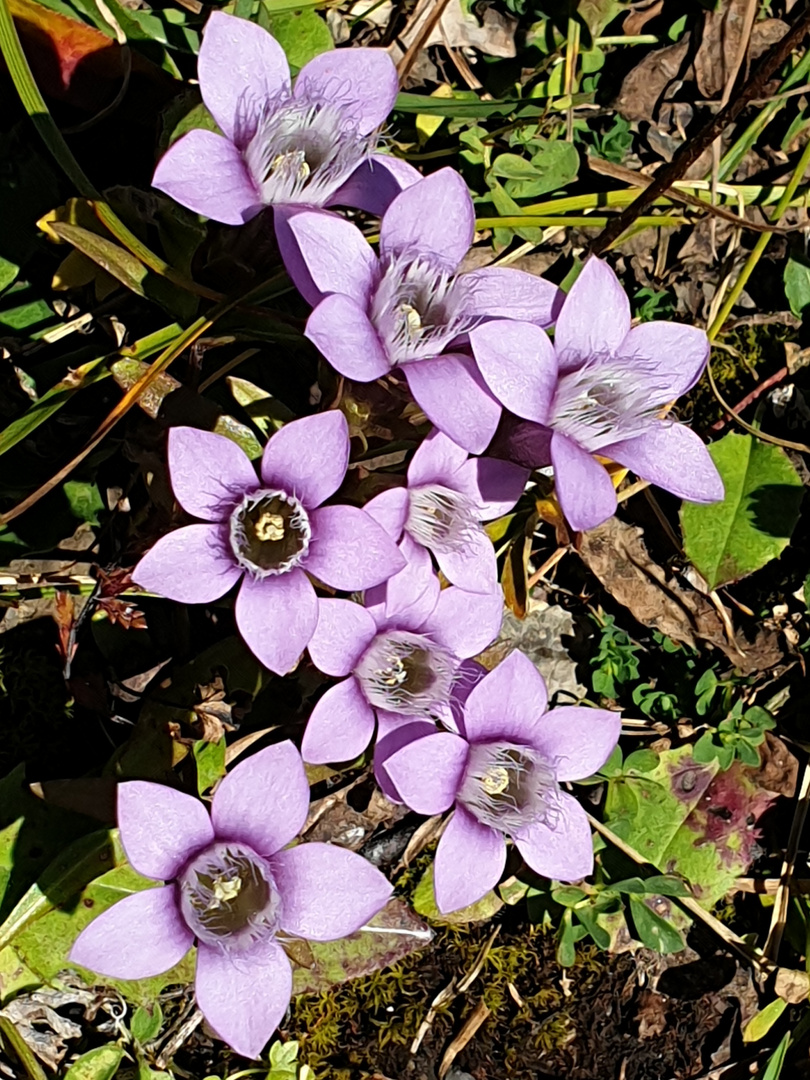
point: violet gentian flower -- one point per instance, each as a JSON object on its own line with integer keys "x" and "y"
{"x": 312, "y": 145}
{"x": 271, "y": 532}
{"x": 402, "y": 654}
{"x": 235, "y": 887}
{"x": 406, "y": 308}
{"x": 447, "y": 497}
{"x": 503, "y": 774}
{"x": 599, "y": 389}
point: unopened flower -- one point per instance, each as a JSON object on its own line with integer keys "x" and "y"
{"x": 312, "y": 145}
{"x": 502, "y": 773}
{"x": 272, "y": 532}
{"x": 235, "y": 888}
{"x": 448, "y": 496}
{"x": 402, "y": 654}
{"x": 408, "y": 308}
{"x": 599, "y": 389}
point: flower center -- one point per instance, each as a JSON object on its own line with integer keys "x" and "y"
{"x": 440, "y": 518}
{"x": 406, "y": 673}
{"x": 509, "y": 787}
{"x": 597, "y": 405}
{"x": 302, "y": 151}
{"x": 269, "y": 533}
{"x": 228, "y": 896}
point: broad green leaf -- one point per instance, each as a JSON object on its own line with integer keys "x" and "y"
{"x": 146, "y": 1022}
{"x": 33, "y": 315}
{"x": 554, "y": 165}
{"x": 753, "y": 524}
{"x": 761, "y": 1023}
{"x": 99, "y": 1064}
{"x": 197, "y": 116}
{"x": 84, "y": 500}
{"x": 210, "y": 759}
{"x": 652, "y": 930}
{"x": 240, "y": 434}
{"x": 267, "y": 412}
{"x": 15, "y": 977}
{"x": 8, "y": 273}
{"x": 302, "y": 34}
{"x": 797, "y": 285}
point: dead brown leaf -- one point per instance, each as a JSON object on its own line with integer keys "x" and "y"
{"x": 644, "y": 87}
{"x": 477, "y": 1017}
{"x": 721, "y": 40}
{"x": 778, "y": 769}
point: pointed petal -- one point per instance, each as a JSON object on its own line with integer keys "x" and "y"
{"x": 390, "y": 509}
{"x": 344, "y": 632}
{"x": 340, "y": 726}
{"x": 263, "y": 802}
{"x": 564, "y": 852}
{"x": 507, "y": 704}
{"x": 469, "y": 862}
{"x": 412, "y": 594}
{"x": 436, "y": 461}
{"x": 523, "y": 442}
{"x": 193, "y": 565}
{"x": 362, "y": 83}
{"x": 349, "y": 550}
{"x": 472, "y": 568}
{"x": 427, "y": 772}
{"x": 241, "y": 69}
{"x": 579, "y": 740}
{"x": 324, "y": 253}
{"x": 160, "y": 827}
{"x": 582, "y": 486}
{"x": 209, "y": 473}
{"x": 673, "y": 457}
{"x": 375, "y": 184}
{"x": 673, "y": 355}
{"x": 453, "y": 395}
{"x": 466, "y": 622}
{"x": 206, "y": 173}
{"x": 394, "y": 739}
{"x": 505, "y": 293}
{"x": 308, "y": 457}
{"x": 244, "y": 995}
{"x": 434, "y": 219}
{"x": 327, "y": 892}
{"x": 277, "y": 617}
{"x": 340, "y": 328}
{"x": 595, "y": 317}
{"x": 140, "y": 936}
{"x": 495, "y": 486}
{"x": 518, "y": 364}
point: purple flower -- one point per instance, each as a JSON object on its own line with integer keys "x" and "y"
{"x": 447, "y": 497}
{"x": 403, "y": 654}
{"x": 599, "y": 389}
{"x": 503, "y": 773}
{"x": 233, "y": 889}
{"x": 311, "y": 146}
{"x": 406, "y": 308}
{"x": 272, "y": 532}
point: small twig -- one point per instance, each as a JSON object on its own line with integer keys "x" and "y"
{"x": 780, "y": 904}
{"x": 749, "y": 399}
{"x": 801, "y": 447}
{"x": 549, "y": 564}
{"x": 422, "y": 35}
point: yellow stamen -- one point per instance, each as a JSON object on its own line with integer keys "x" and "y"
{"x": 270, "y": 527}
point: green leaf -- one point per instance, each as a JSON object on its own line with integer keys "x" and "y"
{"x": 424, "y": 901}
{"x": 568, "y": 895}
{"x": 777, "y": 1059}
{"x": 146, "y": 1022}
{"x": 761, "y": 1023}
{"x": 8, "y": 273}
{"x": 797, "y": 285}
{"x": 554, "y": 165}
{"x": 754, "y": 522}
{"x": 653, "y": 931}
{"x": 266, "y": 411}
{"x": 301, "y": 34}
{"x": 84, "y": 500}
{"x": 210, "y": 759}
{"x": 99, "y": 1064}
{"x": 806, "y": 592}
{"x": 240, "y": 434}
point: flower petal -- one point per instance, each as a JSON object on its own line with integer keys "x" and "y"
{"x": 340, "y": 726}
{"x": 466, "y": 622}
{"x": 194, "y": 565}
{"x": 209, "y": 473}
{"x": 140, "y": 936}
{"x": 324, "y": 253}
{"x": 507, "y": 703}
{"x": 344, "y": 632}
{"x": 160, "y": 827}
{"x": 206, "y": 173}
{"x": 277, "y": 617}
{"x": 362, "y": 83}
{"x": 582, "y": 486}
{"x": 375, "y": 184}
{"x": 673, "y": 355}
{"x": 473, "y": 567}
{"x": 349, "y": 550}
{"x": 244, "y": 995}
{"x": 327, "y": 892}
{"x": 263, "y": 802}
{"x": 595, "y": 317}
{"x": 412, "y": 594}
{"x": 579, "y": 740}
{"x": 390, "y": 509}
{"x": 673, "y": 457}
{"x": 241, "y": 69}
{"x": 433, "y": 219}
{"x": 518, "y": 364}
{"x": 398, "y": 736}
{"x": 340, "y": 328}
{"x": 523, "y": 442}
{"x": 436, "y": 461}
{"x": 427, "y": 772}
{"x": 452, "y": 394}
{"x": 469, "y": 862}
{"x": 495, "y": 486}
{"x": 505, "y": 293}
{"x": 308, "y": 457}
{"x": 564, "y": 852}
